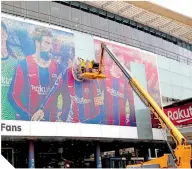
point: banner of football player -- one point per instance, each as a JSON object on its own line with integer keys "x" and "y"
{"x": 32, "y": 58}
{"x": 38, "y": 85}
{"x": 118, "y": 92}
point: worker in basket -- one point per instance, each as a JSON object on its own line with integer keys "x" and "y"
{"x": 95, "y": 65}
{"x": 83, "y": 65}
{"x": 90, "y": 66}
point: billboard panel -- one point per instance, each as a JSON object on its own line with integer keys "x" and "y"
{"x": 38, "y": 85}
{"x": 33, "y": 57}
{"x": 117, "y": 83}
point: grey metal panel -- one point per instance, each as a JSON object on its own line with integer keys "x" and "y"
{"x": 85, "y": 18}
{"x": 189, "y": 54}
{"x": 164, "y": 45}
{"x": 119, "y": 32}
{"x": 65, "y": 16}
{"x": 167, "y": 45}
{"x": 141, "y": 36}
{"x": 185, "y": 52}
{"x": 159, "y": 42}
{"x": 95, "y": 22}
{"x": 120, "y": 29}
{"x": 175, "y": 49}
{"x": 7, "y": 6}
{"x": 24, "y": 8}
{"x": 133, "y": 34}
{"x": 127, "y": 31}
{"x": 144, "y": 36}
{"x": 154, "y": 41}
{"x": 86, "y": 22}
{"x": 65, "y": 12}
{"x": 17, "y": 7}
{"x": 112, "y": 28}
{"x": 44, "y": 10}
{"x": 103, "y": 23}
{"x": 55, "y": 13}
{"x": 147, "y": 40}
{"x": 136, "y": 34}
{"x": 44, "y": 7}
{"x": 180, "y": 50}
{"x": 32, "y": 9}
{"x": 171, "y": 48}
{"x": 87, "y": 29}
{"x": 76, "y": 18}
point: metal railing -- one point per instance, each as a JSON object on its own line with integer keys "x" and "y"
{"x": 58, "y": 21}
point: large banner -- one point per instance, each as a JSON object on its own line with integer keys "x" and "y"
{"x": 37, "y": 82}
{"x": 118, "y": 92}
{"x": 180, "y": 115}
{"x": 32, "y": 58}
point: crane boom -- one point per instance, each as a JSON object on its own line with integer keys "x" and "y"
{"x": 182, "y": 153}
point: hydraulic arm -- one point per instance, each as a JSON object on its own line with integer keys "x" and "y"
{"x": 182, "y": 153}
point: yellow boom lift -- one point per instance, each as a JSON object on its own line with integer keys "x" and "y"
{"x": 178, "y": 158}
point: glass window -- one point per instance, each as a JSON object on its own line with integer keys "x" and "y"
{"x": 166, "y": 90}
{"x": 177, "y": 92}
{"x": 186, "y": 82}
{"x": 176, "y": 79}
{"x": 187, "y": 93}
{"x": 163, "y": 62}
{"x": 174, "y": 66}
{"x": 164, "y": 76}
{"x": 184, "y": 69}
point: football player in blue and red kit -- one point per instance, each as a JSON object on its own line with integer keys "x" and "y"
{"x": 33, "y": 79}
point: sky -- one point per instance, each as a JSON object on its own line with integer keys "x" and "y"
{"x": 181, "y": 6}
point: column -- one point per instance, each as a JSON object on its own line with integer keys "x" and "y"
{"x": 149, "y": 151}
{"x": 146, "y": 154}
{"x": 143, "y": 152}
{"x": 31, "y": 157}
{"x": 61, "y": 162}
{"x": 117, "y": 154}
{"x": 98, "y": 156}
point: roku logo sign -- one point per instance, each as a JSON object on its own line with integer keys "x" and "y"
{"x": 11, "y": 128}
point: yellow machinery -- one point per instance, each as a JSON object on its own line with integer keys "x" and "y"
{"x": 98, "y": 74}
{"x": 181, "y": 156}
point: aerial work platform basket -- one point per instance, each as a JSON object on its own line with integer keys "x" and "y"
{"x": 96, "y": 73}
{"x": 93, "y": 75}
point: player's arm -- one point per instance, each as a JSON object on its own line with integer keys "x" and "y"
{"x": 14, "y": 94}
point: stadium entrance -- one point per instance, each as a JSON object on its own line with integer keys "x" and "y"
{"x": 50, "y": 153}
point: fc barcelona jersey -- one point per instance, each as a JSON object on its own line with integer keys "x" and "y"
{"x": 86, "y": 100}
{"x": 30, "y": 85}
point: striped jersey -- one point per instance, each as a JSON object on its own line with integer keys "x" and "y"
{"x": 29, "y": 87}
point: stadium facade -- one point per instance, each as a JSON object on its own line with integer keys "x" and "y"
{"x": 91, "y": 123}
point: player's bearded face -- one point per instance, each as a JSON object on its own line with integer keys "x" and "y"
{"x": 46, "y": 47}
